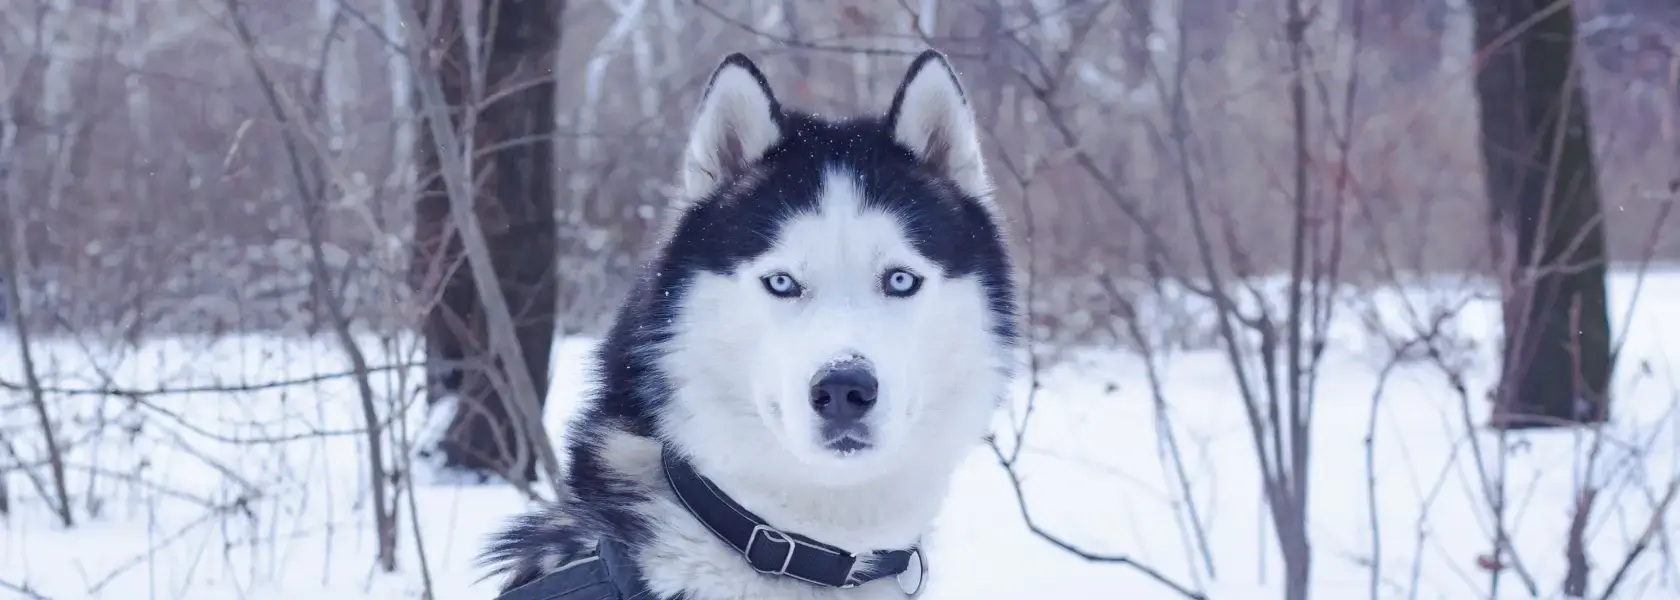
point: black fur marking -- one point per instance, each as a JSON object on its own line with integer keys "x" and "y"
{"x": 737, "y": 223}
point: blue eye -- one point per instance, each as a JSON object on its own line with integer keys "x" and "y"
{"x": 782, "y": 285}
{"x": 900, "y": 283}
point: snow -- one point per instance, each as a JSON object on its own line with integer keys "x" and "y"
{"x": 258, "y": 494}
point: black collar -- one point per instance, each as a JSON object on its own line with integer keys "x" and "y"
{"x": 774, "y": 552}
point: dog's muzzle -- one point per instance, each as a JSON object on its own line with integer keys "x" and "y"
{"x": 842, "y": 393}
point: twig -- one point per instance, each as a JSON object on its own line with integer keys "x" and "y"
{"x": 504, "y": 340}
{"x": 13, "y": 252}
{"x": 1008, "y": 461}
{"x": 1371, "y": 467}
{"x": 1163, "y": 422}
{"x": 311, "y": 194}
{"x": 219, "y": 388}
{"x": 1053, "y": 539}
{"x": 22, "y": 589}
{"x": 150, "y": 554}
{"x": 1491, "y": 489}
{"x": 1653, "y": 527}
{"x": 427, "y": 587}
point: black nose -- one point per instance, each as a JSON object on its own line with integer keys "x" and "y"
{"x": 844, "y": 392}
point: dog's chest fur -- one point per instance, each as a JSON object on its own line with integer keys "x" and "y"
{"x": 679, "y": 558}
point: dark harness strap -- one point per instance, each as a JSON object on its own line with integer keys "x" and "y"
{"x": 774, "y": 552}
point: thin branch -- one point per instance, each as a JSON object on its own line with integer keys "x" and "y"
{"x": 1069, "y": 547}
{"x": 12, "y": 252}
{"x": 229, "y": 388}
{"x": 1653, "y": 527}
{"x": 504, "y": 341}
{"x": 23, "y": 590}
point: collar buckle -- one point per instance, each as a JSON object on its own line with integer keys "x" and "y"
{"x": 770, "y": 535}
{"x": 773, "y": 552}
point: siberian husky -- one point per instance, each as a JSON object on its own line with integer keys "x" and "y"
{"x": 822, "y": 337}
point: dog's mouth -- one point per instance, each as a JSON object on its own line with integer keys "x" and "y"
{"x": 849, "y": 442}
{"x": 845, "y": 439}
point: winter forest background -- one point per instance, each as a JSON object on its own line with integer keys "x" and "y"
{"x": 292, "y": 278}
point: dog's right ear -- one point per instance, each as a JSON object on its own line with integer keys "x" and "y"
{"x": 738, "y": 121}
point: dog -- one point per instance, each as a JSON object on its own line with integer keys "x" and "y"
{"x": 825, "y": 333}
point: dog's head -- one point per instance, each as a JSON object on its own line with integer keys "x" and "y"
{"x": 841, "y": 303}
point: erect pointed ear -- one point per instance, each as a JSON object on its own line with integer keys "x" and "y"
{"x": 739, "y": 119}
{"x": 930, "y": 115}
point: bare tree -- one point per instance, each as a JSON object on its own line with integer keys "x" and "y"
{"x": 312, "y": 185}
{"x": 14, "y": 263}
{"x": 1543, "y": 183}
{"x": 493, "y": 65}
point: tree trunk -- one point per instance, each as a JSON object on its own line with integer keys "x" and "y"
{"x": 513, "y": 166}
{"x": 1547, "y": 217}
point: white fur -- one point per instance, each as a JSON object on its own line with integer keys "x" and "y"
{"x": 735, "y": 126}
{"x": 741, "y": 361}
{"x": 936, "y": 123}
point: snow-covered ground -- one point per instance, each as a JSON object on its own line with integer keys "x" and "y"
{"x": 258, "y": 493}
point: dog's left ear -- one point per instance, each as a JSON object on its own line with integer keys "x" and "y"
{"x": 931, "y": 116}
